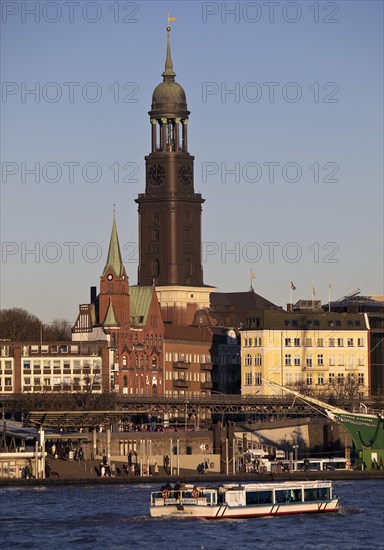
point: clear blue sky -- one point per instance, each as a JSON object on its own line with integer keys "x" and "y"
{"x": 323, "y": 123}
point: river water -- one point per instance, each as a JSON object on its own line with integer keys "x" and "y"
{"x": 117, "y": 516}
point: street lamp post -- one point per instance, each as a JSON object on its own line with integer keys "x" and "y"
{"x": 186, "y": 415}
{"x": 296, "y": 451}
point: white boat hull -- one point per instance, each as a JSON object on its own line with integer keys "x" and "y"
{"x": 225, "y": 511}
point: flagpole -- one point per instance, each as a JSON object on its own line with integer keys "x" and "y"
{"x": 290, "y": 294}
{"x": 329, "y": 297}
{"x": 252, "y": 276}
{"x": 313, "y": 302}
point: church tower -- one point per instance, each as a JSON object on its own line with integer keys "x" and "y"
{"x": 170, "y": 210}
{"x": 114, "y": 288}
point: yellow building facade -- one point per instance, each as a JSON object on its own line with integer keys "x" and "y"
{"x": 320, "y": 353}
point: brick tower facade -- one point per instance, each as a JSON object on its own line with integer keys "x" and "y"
{"x": 170, "y": 210}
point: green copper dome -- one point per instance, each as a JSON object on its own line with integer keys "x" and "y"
{"x": 169, "y": 96}
{"x": 169, "y": 93}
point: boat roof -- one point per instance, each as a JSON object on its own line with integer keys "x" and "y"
{"x": 278, "y": 485}
{"x": 262, "y": 486}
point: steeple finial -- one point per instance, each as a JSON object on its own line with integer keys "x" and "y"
{"x": 169, "y": 73}
{"x": 114, "y": 259}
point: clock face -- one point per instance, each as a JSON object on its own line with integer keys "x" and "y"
{"x": 110, "y": 277}
{"x": 156, "y": 175}
{"x": 186, "y": 175}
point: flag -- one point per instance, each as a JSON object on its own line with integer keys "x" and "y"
{"x": 313, "y": 291}
{"x": 293, "y": 286}
{"x": 253, "y": 275}
{"x": 171, "y": 19}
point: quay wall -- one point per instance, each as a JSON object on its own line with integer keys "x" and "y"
{"x": 341, "y": 475}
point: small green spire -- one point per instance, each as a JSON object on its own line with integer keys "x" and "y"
{"x": 114, "y": 255}
{"x": 110, "y": 317}
{"x": 169, "y": 73}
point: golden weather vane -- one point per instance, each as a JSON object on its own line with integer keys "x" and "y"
{"x": 169, "y": 21}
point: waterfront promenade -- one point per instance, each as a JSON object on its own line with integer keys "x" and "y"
{"x": 70, "y": 476}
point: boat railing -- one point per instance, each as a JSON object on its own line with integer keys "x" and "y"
{"x": 183, "y": 496}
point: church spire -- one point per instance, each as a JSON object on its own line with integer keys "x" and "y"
{"x": 114, "y": 259}
{"x": 169, "y": 73}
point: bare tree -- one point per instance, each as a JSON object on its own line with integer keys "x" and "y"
{"x": 18, "y": 325}
{"x": 57, "y": 331}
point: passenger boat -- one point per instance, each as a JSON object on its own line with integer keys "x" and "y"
{"x": 245, "y": 500}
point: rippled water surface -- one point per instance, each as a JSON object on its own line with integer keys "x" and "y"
{"x": 118, "y": 517}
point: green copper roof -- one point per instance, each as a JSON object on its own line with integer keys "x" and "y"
{"x": 114, "y": 255}
{"x": 110, "y": 318}
{"x": 169, "y": 73}
{"x": 141, "y": 299}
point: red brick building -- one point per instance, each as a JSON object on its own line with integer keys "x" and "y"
{"x": 129, "y": 319}
{"x": 187, "y": 361}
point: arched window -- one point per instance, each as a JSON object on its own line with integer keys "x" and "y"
{"x": 125, "y": 381}
{"x": 248, "y": 360}
{"x": 155, "y": 268}
{"x": 258, "y": 360}
{"x": 124, "y": 360}
{"x": 113, "y": 340}
{"x": 154, "y": 362}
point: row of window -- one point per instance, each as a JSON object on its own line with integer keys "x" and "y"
{"x": 296, "y": 379}
{"x": 349, "y": 360}
{"x": 254, "y": 322}
{"x": 61, "y": 364}
{"x": 296, "y": 360}
{"x": 154, "y": 341}
{"x": 308, "y": 342}
{"x": 177, "y": 393}
{"x": 188, "y": 357}
{"x": 65, "y": 382}
{"x": 332, "y": 379}
{"x": 188, "y": 376}
{"x": 248, "y": 379}
{"x": 141, "y": 361}
{"x": 229, "y": 359}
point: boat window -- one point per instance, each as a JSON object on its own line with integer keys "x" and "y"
{"x": 292, "y": 495}
{"x": 316, "y": 494}
{"x": 259, "y": 497}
